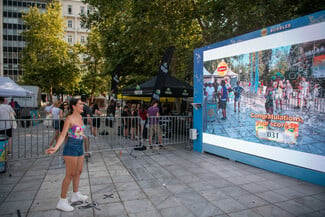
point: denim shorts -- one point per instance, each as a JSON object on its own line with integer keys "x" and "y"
{"x": 73, "y": 147}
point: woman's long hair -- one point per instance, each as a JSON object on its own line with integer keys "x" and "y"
{"x": 73, "y": 101}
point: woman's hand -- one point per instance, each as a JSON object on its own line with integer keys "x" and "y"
{"x": 51, "y": 150}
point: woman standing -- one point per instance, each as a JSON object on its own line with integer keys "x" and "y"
{"x": 143, "y": 121}
{"x": 64, "y": 113}
{"x": 269, "y": 96}
{"x": 125, "y": 121}
{"x": 134, "y": 114}
{"x": 73, "y": 154}
{"x": 96, "y": 121}
{"x": 56, "y": 113}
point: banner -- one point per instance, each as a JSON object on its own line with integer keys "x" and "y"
{"x": 162, "y": 73}
{"x": 115, "y": 81}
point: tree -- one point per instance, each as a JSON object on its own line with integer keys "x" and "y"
{"x": 48, "y": 61}
{"x": 136, "y": 33}
{"x": 94, "y": 77}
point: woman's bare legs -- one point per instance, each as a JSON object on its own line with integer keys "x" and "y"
{"x": 71, "y": 165}
{"x": 76, "y": 178}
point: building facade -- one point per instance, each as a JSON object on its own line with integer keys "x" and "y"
{"x": 11, "y": 27}
{"x": 75, "y": 32}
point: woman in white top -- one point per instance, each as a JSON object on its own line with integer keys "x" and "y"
{"x": 56, "y": 113}
{"x": 6, "y": 126}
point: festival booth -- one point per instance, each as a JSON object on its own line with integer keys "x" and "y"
{"x": 8, "y": 88}
{"x": 173, "y": 91}
{"x": 173, "y": 88}
{"x": 219, "y": 75}
{"x": 284, "y": 138}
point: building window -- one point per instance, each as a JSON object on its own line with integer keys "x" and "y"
{"x": 70, "y": 39}
{"x": 82, "y": 10}
{"x": 82, "y": 39}
{"x": 69, "y": 9}
{"x": 69, "y": 23}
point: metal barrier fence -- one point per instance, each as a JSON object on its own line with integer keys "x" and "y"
{"x": 294, "y": 100}
{"x": 32, "y": 136}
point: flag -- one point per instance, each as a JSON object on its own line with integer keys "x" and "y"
{"x": 162, "y": 73}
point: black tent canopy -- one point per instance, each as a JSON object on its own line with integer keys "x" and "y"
{"x": 173, "y": 88}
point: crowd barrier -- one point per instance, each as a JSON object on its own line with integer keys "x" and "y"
{"x": 294, "y": 100}
{"x": 32, "y": 137}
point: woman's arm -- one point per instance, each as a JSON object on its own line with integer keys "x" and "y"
{"x": 64, "y": 132}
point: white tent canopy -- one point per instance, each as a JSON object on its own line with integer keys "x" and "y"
{"x": 8, "y": 88}
{"x": 206, "y": 72}
{"x": 229, "y": 73}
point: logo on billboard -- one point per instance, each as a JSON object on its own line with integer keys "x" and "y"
{"x": 222, "y": 68}
{"x": 263, "y": 32}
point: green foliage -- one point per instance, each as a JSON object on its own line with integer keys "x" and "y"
{"x": 94, "y": 78}
{"x": 48, "y": 61}
{"x": 136, "y": 33}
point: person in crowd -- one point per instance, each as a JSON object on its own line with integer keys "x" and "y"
{"x": 6, "y": 112}
{"x": 288, "y": 90}
{"x": 165, "y": 111}
{"x": 263, "y": 88}
{"x": 73, "y": 154}
{"x": 278, "y": 92}
{"x": 223, "y": 99}
{"x": 304, "y": 91}
{"x": 48, "y": 107}
{"x": 12, "y": 103}
{"x": 125, "y": 121}
{"x": 237, "y": 91}
{"x": 96, "y": 121}
{"x": 110, "y": 114}
{"x": 143, "y": 120}
{"x": 87, "y": 120}
{"x": 216, "y": 86}
{"x": 230, "y": 91}
{"x": 111, "y": 108}
{"x": 210, "y": 91}
{"x": 135, "y": 122}
{"x": 17, "y": 109}
{"x": 153, "y": 115}
{"x": 56, "y": 112}
{"x": 218, "y": 96}
{"x": 64, "y": 113}
{"x": 269, "y": 96}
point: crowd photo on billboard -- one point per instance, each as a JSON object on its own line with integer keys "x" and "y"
{"x": 274, "y": 97}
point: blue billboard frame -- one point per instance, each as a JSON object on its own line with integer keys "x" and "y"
{"x": 198, "y": 145}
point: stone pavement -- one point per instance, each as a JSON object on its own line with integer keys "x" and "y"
{"x": 168, "y": 182}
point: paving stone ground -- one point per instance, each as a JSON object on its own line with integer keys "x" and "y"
{"x": 169, "y": 182}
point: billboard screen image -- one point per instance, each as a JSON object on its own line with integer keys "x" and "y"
{"x": 265, "y": 95}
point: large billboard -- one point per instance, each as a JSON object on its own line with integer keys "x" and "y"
{"x": 263, "y": 93}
